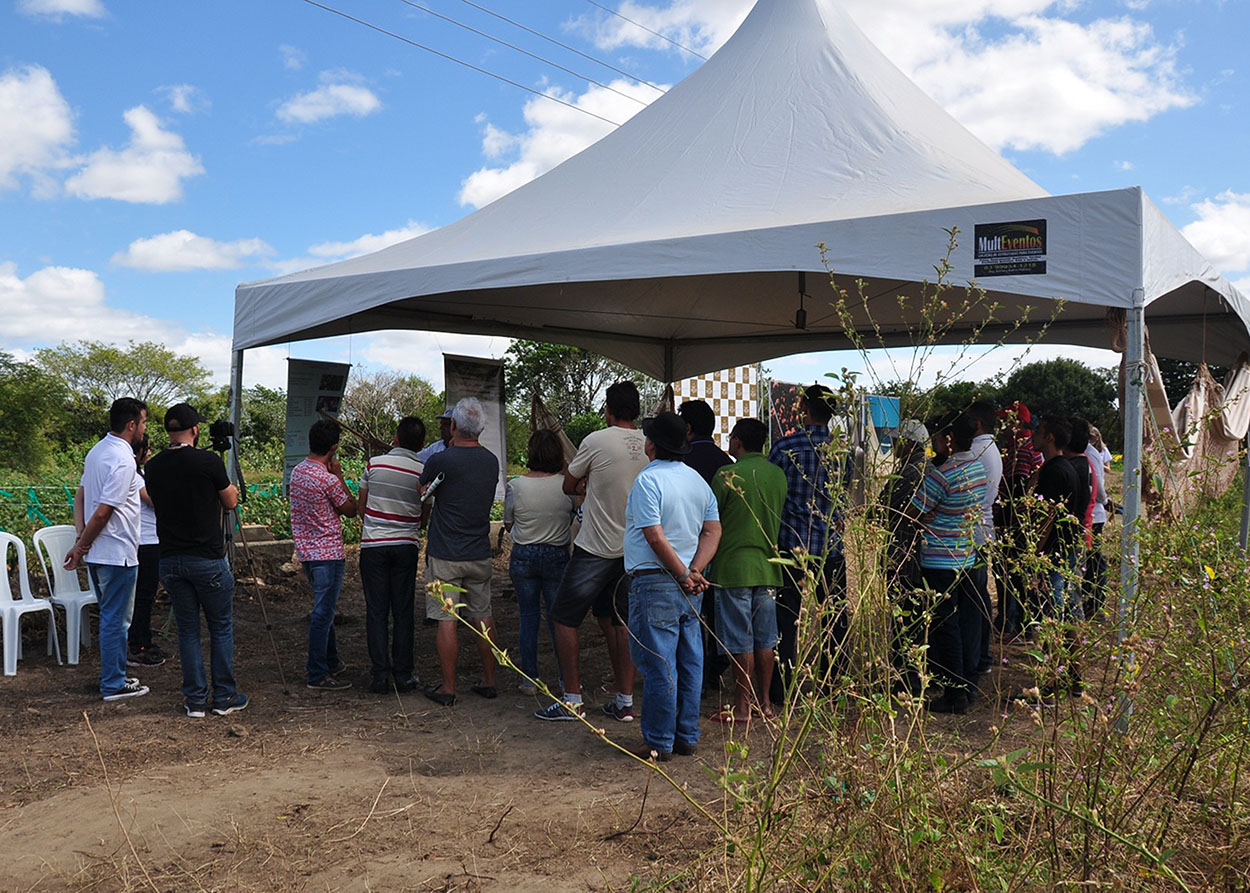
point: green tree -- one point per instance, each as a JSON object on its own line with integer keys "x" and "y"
{"x": 375, "y": 402}
{"x": 99, "y": 373}
{"x": 264, "y": 416}
{"x": 1067, "y": 387}
{"x": 571, "y": 381}
{"x": 31, "y": 403}
{"x": 1178, "y": 377}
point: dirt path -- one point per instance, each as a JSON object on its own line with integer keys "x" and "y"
{"x": 312, "y": 791}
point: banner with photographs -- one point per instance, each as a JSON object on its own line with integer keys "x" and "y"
{"x": 785, "y": 416}
{"x": 314, "y": 390}
{"x": 483, "y": 379}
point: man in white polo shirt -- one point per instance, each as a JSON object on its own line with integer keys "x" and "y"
{"x": 107, "y": 517}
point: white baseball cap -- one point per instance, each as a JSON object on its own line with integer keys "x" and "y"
{"x": 911, "y": 429}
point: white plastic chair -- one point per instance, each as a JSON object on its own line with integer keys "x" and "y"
{"x": 12, "y": 609}
{"x": 67, "y": 592}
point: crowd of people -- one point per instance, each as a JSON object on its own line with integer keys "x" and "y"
{"x": 691, "y": 559}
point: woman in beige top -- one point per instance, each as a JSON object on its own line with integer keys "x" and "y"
{"x": 538, "y": 516}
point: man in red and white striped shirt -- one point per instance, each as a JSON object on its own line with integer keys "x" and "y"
{"x": 390, "y": 501}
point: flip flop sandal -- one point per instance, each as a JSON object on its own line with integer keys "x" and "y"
{"x": 439, "y": 697}
{"x": 727, "y": 718}
{"x": 489, "y": 692}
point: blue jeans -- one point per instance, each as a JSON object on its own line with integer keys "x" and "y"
{"x": 666, "y": 643}
{"x": 1066, "y": 596}
{"x": 115, "y": 591}
{"x": 198, "y": 584}
{"x": 536, "y": 571}
{"x": 326, "y": 579}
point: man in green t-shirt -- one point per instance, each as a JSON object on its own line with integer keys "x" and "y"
{"x": 750, "y": 494}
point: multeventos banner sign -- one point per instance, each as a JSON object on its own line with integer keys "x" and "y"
{"x": 1010, "y": 249}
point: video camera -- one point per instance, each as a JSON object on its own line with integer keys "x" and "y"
{"x": 221, "y": 432}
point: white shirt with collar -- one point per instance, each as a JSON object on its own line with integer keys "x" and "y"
{"x": 110, "y": 477}
{"x": 986, "y": 452}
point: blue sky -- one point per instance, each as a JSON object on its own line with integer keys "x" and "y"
{"x": 153, "y": 155}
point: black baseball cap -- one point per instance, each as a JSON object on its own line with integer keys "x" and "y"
{"x": 182, "y": 417}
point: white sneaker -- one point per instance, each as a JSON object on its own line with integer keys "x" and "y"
{"x": 129, "y": 690}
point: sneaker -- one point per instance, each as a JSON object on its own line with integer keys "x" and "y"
{"x": 196, "y": 711}
{"x": 682, "y": 749}
{"x": 412, "y": 683}
{"x": 558, "y": 712}
{"x": 132, "y": 680}
{"x": 619, "y": 713}
{"x": 338, "y": 668}
{"x": 129, "y": 690}
{"x": 647, "y": 752}
{"x": 329, "y": 683}
{"x": 145, "y": 657}
{"x": 381, "y": 686}
{"x": 234, "y": 705}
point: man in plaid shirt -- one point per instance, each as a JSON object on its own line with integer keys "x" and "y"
{"x": 809, "y": 522}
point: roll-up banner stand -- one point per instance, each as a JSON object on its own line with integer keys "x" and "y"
{"x": 312, "y": 388}
{"x": 483, "y": 379}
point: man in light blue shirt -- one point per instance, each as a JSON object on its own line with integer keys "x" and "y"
{"x": 444, "y": 438}
{"x": 672, "y": 528}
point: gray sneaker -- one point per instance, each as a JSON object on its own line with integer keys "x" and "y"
{"x": 329, "y": 683}
{"x": 196, "y": 711}
{"x": 558, "y": 712}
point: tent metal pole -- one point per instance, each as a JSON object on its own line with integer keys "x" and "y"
{"x": 1245, "y": 500}
{"x": 1130, "y": 546}
{"x": 236, "y": 412}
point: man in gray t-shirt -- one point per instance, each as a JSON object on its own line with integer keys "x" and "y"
{"x": 458, "y": 550}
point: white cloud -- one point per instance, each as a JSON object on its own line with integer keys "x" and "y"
{"x": 555, "y": 133}
{"x": 1054, "y": 85}
{"x": 185, "y": 98}
{"x": 36, "y": 128}
{"x": 1047, "y": 83}
{"x": 63, "y": 303}
{"x": 335, "y": 96}
{"x": 368, "y": 242}
{"x": 293, "y": 58}
{"x": 182, "y": 250}
{"x": 1123, "y": 166}
{"x": 57, "y": 9}
{"x": 421, "y": 353}
{"x": 1222, "y": 231}
{"x": 150, "y": 169}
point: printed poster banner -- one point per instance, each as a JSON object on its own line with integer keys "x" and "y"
{"x": 483, "y": 379}
{"x": 312, "y": 388}
{"x": 784, "y": 415}
{"x": 1010, "y": 249}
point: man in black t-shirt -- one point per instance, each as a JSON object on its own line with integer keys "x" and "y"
{"x": 189, "y": 491}
{"x": 1062, "y": 537}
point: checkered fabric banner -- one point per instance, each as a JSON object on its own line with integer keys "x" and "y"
{"x": 732, "y": 394}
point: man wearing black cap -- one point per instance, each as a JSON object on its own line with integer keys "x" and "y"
{"x": 189, "y": 490}
{"x": 672, "y": 529}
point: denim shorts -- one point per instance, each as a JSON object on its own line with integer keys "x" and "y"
{"x": 746, "y": 619}
{"x": 592, "y": 583}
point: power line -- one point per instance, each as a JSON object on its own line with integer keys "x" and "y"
{"x": 513, "y": 46}
{"x": 648, "y": 30}
{"x": 571, "y": 49}
{"x": 450, "y": 58}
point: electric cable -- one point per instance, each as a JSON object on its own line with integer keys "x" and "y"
{"x": 645, "y": 28}
{"x": 450, "y": 58}
{"x": 526, "y": 52}
{"x": 571, "y": 49}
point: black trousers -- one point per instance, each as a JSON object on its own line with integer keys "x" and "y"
{"x": 140, "y": 635}
{"x": 389, "y": 577}
{"x": 1095, "y": 583}
{"x": 831, "y": 587}
{"x": 955, "y": 631}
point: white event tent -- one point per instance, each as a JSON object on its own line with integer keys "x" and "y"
{"x": 678, "y": 243}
